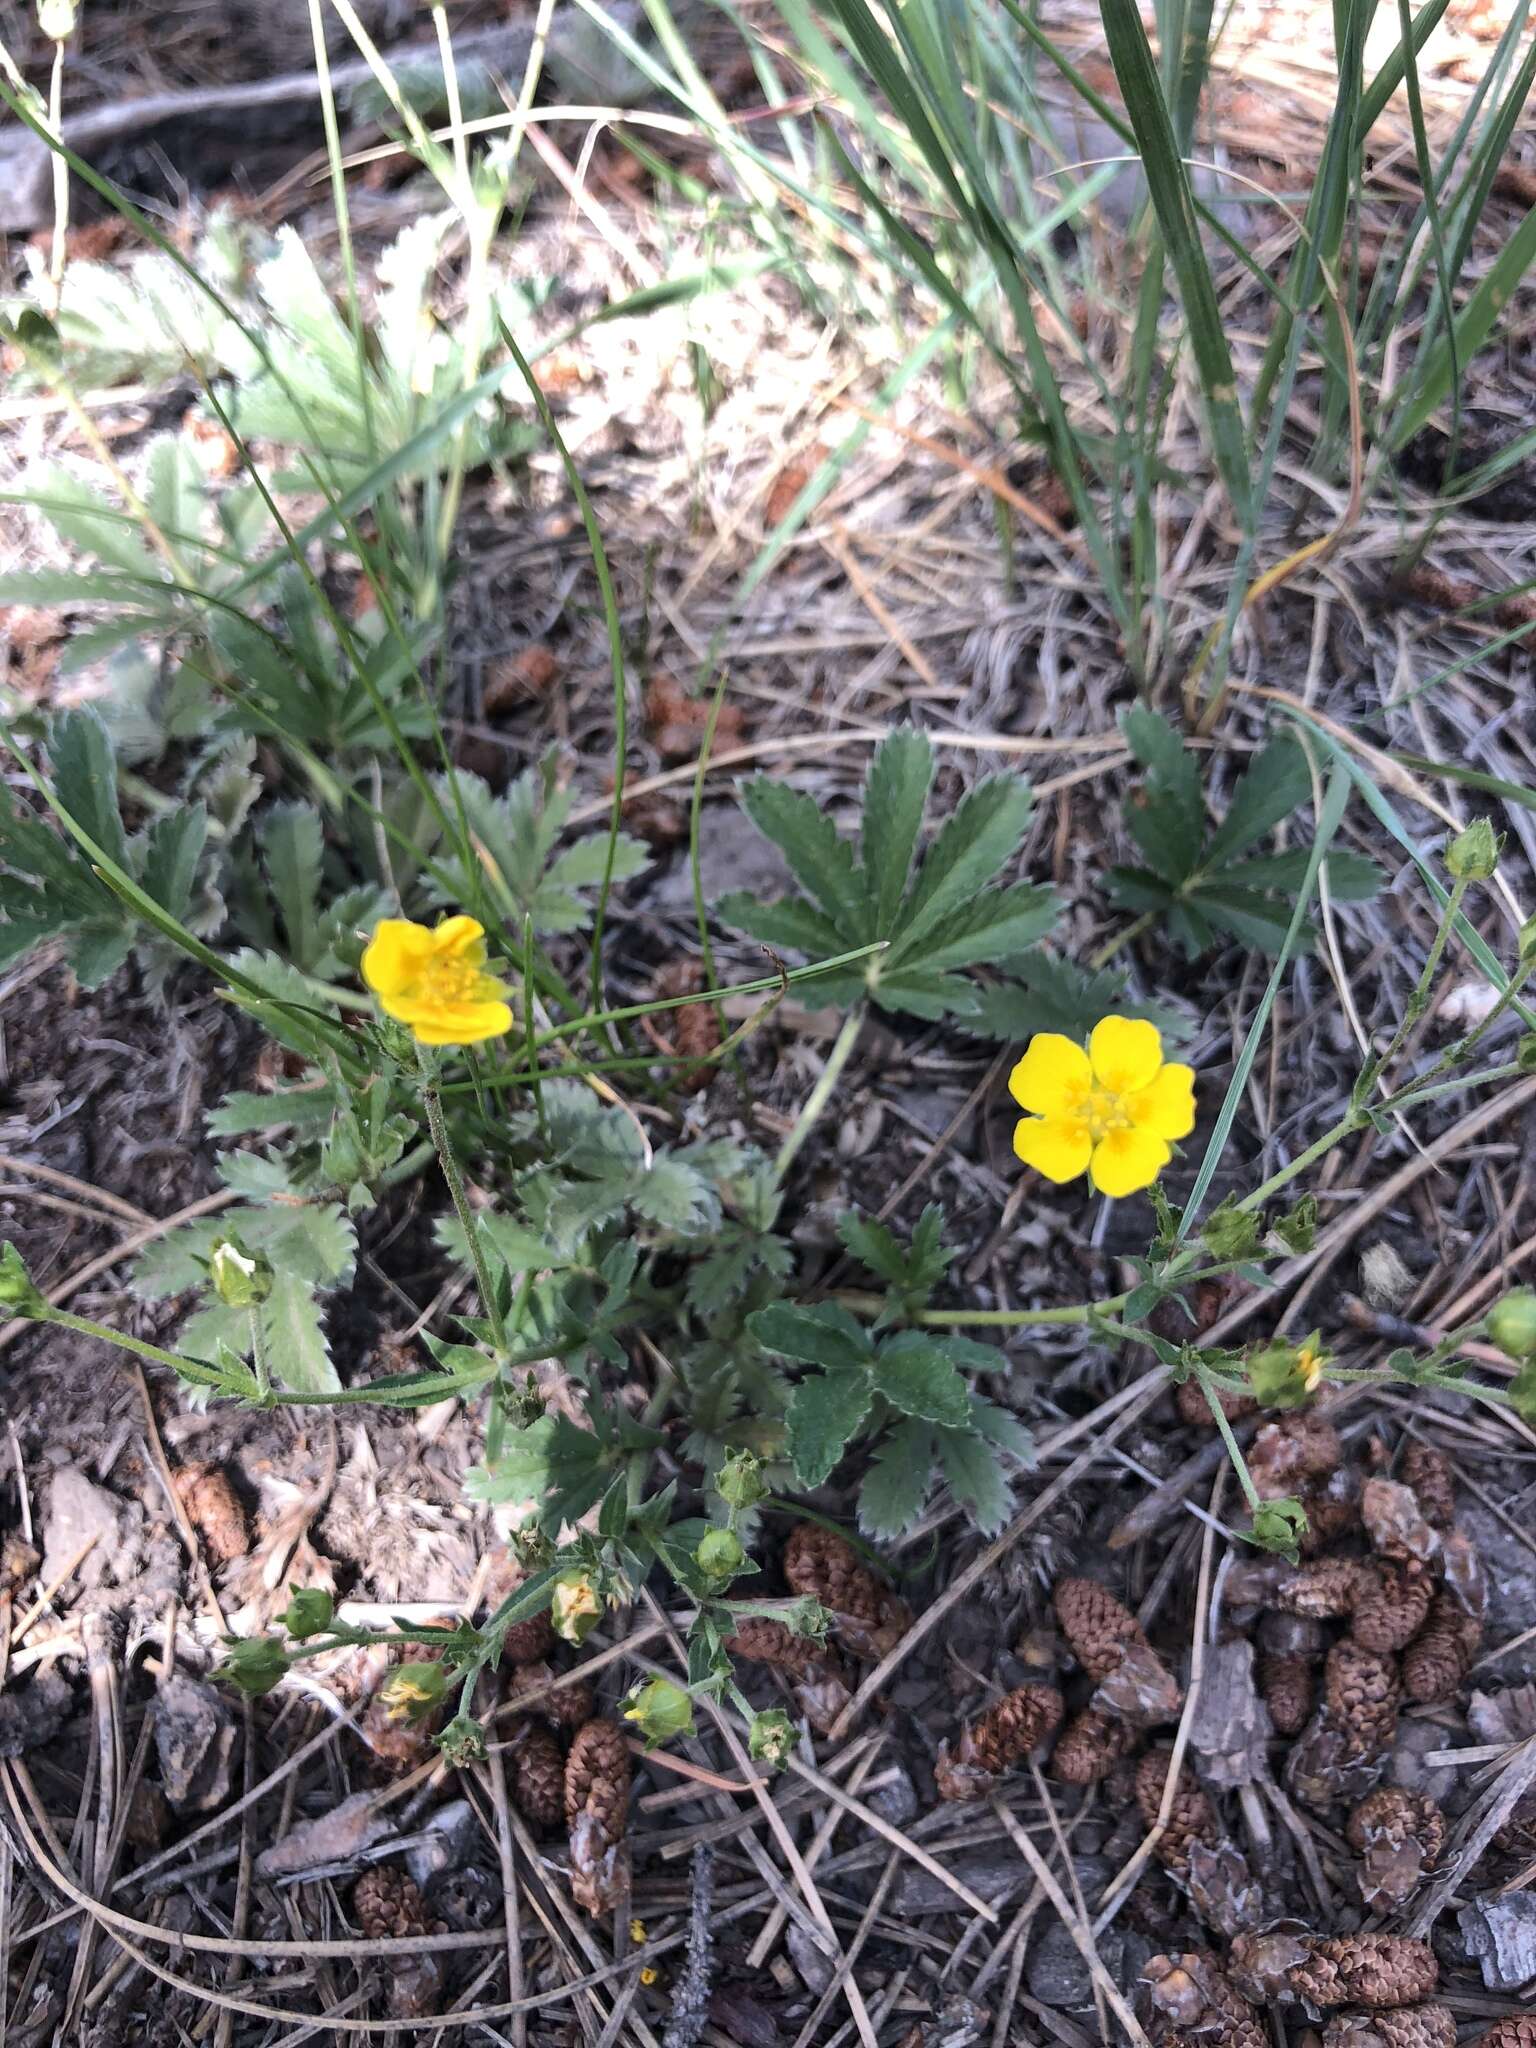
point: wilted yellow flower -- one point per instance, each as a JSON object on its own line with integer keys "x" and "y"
{"x": 436, "y": 982}
{"x": 1111, "y": 1112}
{"x": 412, "y": 1691}
{"x": 574, "y": 1607}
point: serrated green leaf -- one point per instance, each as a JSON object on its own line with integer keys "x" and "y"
{"x": 97, "y": 950}
{"x": 975, "y": 1477}
{"x": 91, "y": 524}
{"x": 824, "y": 1412}
{"x": 307, "y": 1109}
{"x": 1138, "y": 889}
{"x": 1255, "y": 919}
{"x": 1351, "y": 877}
{"x": 791, "y": 922}
{"x": 293, "y": 851}
{"x": 982, "y": 833}
{"x": 912, "y": 1372}
{"x": 1166, "y": 817}
{"x": 1276, "y": 784}
{"x": 174, "y": 489}
{"x": 821, "y": 1334}
{"x": 563, "y": 1469}
{"x": 895, "y": 798}
{"x": 898, "y": 1482}
{"x": 999, "y": 924}
{"x": 999, "y": 1427}
{"x": 914, "y": 992}
{"x": 674, "y": 1197}
{"x": 297, "y": 1351}
{"x": 85, "y": 779}
{"x": 173, "y": 847}
{"x": 874, "y": 1246}
{"x": 819, "y": 858}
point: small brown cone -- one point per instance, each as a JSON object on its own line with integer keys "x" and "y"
{"x": 1090, "y": 1746}
{"x": 1403, "y": 2026}
{"x": 1515, "y": 2030}
{"x": 1004, "y": 1735}
{"x": 1363, "y": 1689}
{"x": 1193, "y": 2000}
{"x": 529, "y": 1641}
{"x": 1399, "y": 1836}
{"x": 538, "y": 1773}
{"x": 1367, "y": 1969}
{"x": 1096, "y": 1624}
{"x": 1190, "y": 1818}
{"x": 824, "y": 1566}
{"x": 1426, "y": 1472}
{"x": 1391, "y": 1607}
{"x": 1440, "y": 1656}
{"x": 1324, "y": 1591}
{"x": 597, "y": 1777}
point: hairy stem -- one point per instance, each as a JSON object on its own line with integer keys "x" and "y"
{"x": 821, "y": 1094}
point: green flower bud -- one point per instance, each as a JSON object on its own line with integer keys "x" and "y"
{"x": 1512, "y": 1323}
{"x": 575, "y": 1607}
{"x": 413, "y": 1691}
{"x": 17, "y": 1292}
{"x": 1522, "y": 1393}
{"x": 308, "y": 1613}
{"x": 1279, "y": 1525}
{"x": 1285, "y": 1375}
{"x": 1473, "y": 855}
{"x": 241, "y": 1279}
{"x": 462, "y": 1741}
{"x": 660, "y": 1710}
{"x": 1525, "y": 1053}
{"x": 254, "y": 1664}
{"x": 1231, "y": 1233}
{"x": 739, "y": 1481}
{"x": 771, "y": 1736}
{"x": 719, "y": 1555}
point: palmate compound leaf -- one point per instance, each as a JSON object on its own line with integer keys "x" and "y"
{"x": 942, "y": 918}
{"x": 1166, "y": 816}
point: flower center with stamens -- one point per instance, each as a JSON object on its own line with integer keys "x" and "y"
{"x": 447, "y": 980}
{"x": 1102, "y": 1110}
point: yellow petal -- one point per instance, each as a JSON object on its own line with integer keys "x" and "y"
{"x": 460, "y": 938}
{"x": 1126, "y": 1160}
{"x": 1126, "y": 1052}
{"x": 1058, "y": 1147}
{"x": 457, "y": 1023}
{"x": 1052, "y": 1077}
{"x": 395, "y": 955}
{"x": 1167, "y": 1105}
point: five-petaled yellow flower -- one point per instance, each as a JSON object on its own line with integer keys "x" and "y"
{"x": 436, "y": 982}
{"x": 1111, "y": 1112}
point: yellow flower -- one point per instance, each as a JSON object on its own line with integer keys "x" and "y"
{"x": 648, "y": 1976}
{"x": 1111, "y": 1112}
{"x": 436, "y": 982}
{"x": 1309, "y": 1364}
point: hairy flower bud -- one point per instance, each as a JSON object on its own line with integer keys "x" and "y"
{"x": 1512, "y": 1323}
{"x": 660, "y": 1710}
{"x": 739, "y": 1482}
{"x": 241, "y": 1279}
{"x": 308, "y": 1612}
{"x": 463, "y": 1741}
{"x": 719, "y": 1555}
{"x": 1285, "y": 1375}
{"x": 771, "y": 1736}
{"x": 254, "y": 1664}
{"x": 1473, "y": 855}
